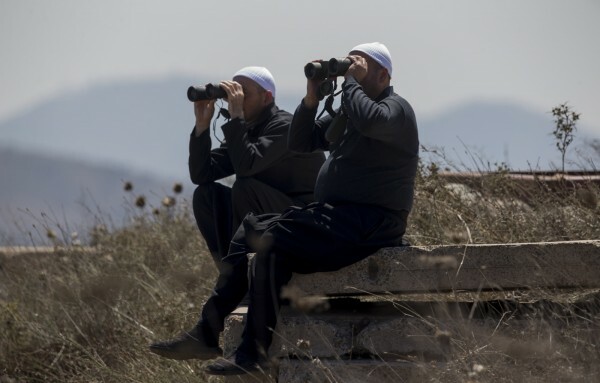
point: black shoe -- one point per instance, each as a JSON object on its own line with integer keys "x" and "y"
{"x": 237, "y": 364}
{"x": 189, "y": 345}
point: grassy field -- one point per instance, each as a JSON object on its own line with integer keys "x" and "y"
{"x": 88, "y": 316}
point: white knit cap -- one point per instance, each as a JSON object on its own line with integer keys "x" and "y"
{"x": 378, "y": 52}
{"x": 259, "y": 75}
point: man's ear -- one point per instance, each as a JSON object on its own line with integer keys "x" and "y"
{"x": 268, "y": 97}
{"x": 383, "y": 76}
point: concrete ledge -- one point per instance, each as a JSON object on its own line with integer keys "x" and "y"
{"x": 421, "y": 329}
{"x": 336, "y": 336}
{"x": 13, "y": 251}
{"x": 574, "y": 264}
{"x": 472, "y": 267}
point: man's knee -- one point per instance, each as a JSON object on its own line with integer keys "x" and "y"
{"x": 208, "y": 194}
{"x": 202, "y": 202}
{"x": 202, "y": 195}
{"x": 244, "y": 187}
{"x": 249, "y": 195}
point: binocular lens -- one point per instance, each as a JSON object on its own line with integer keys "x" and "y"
{"x": 197, "y": 93}
{"x": 320, "y": 70}
{"x": 316, "y": 70}
{"x": 207, "y": 92}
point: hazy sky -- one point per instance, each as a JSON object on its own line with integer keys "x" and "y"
{"x": 538, "y": 53}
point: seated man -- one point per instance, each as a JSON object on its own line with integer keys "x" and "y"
{"x": 364, "y": 193}
{"x": 269, "y": 178}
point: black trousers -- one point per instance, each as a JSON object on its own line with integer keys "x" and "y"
{"x": 316, "y": 238}
{"x": 218, "y": 211}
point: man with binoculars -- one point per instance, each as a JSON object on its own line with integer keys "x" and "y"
{"x": 269, "y": 178}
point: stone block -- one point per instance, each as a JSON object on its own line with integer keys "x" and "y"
{"x": 573, "y": 264}
{"x": 345, "y": 335}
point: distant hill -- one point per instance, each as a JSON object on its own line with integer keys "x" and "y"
{"x": 40, "y": 189}
{"x": 494, "y": 132}
{"x": 141, "y": 125}
{"x": 490, "y": 132}
{"x": 144, "y": 126}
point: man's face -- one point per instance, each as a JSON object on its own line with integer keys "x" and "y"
{"x": 255, "y": 98}
{"x": 374, "y": 82}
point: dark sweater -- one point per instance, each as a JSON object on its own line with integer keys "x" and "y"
{"x": 257, "y": 150}
{"x": 374, "y": 162}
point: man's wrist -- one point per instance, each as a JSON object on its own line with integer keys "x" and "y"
{"x": 350, "y": 76}
{"x": 199, "y": 129}
{"x": 233, "y": 124}
{"x": 310, "y": 102}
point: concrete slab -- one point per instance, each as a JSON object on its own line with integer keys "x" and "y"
{"x": 12, "y": 251}
{"x": 337, "y": 336}
{"x": 573, "y": 264}
{"x": 418, "y": 330}
{"x": 302, "y": 336}
{"x": 472, "y": 267}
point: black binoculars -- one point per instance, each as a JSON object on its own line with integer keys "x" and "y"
{"x": 320, "y": 69}
{"x": 207, "y": 92}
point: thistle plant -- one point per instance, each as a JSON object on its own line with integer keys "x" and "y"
{"x": 565, "y": 119}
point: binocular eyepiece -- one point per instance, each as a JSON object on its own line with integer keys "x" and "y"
{"x": 339, "y": 67}
{"x": 320, "y": 70}
{"x": 207, "y": 92}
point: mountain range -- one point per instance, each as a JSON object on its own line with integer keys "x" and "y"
{"x": 76, "y": 150}
{"x": 40, "y": 192}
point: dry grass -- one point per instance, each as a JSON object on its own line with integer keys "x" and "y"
{"x": 497, "y": 209}
{"x": 75, "y": 316}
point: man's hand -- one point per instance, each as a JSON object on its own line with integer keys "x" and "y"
{"x": 235, "y": 98}
{"x": 204, "y": 111}
{"x": 358, "y": 69}
{"x": 311, "y": 100}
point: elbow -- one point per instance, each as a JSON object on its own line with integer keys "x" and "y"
{"x": 300, "y": 149}
{"x": 196, "y": 180}
{"x": 245, "y": 171}
{"x": 193, "y": 176}
{"x": 199, "y": 176}
{"x": 294, "y": 147}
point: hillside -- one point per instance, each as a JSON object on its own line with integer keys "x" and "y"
{"x": 72, "y": 193}
{"x": 144, "y": 126}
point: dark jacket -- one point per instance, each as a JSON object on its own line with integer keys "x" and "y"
{"x": 256, "y": 150}
{"x": 375, "y": 161}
